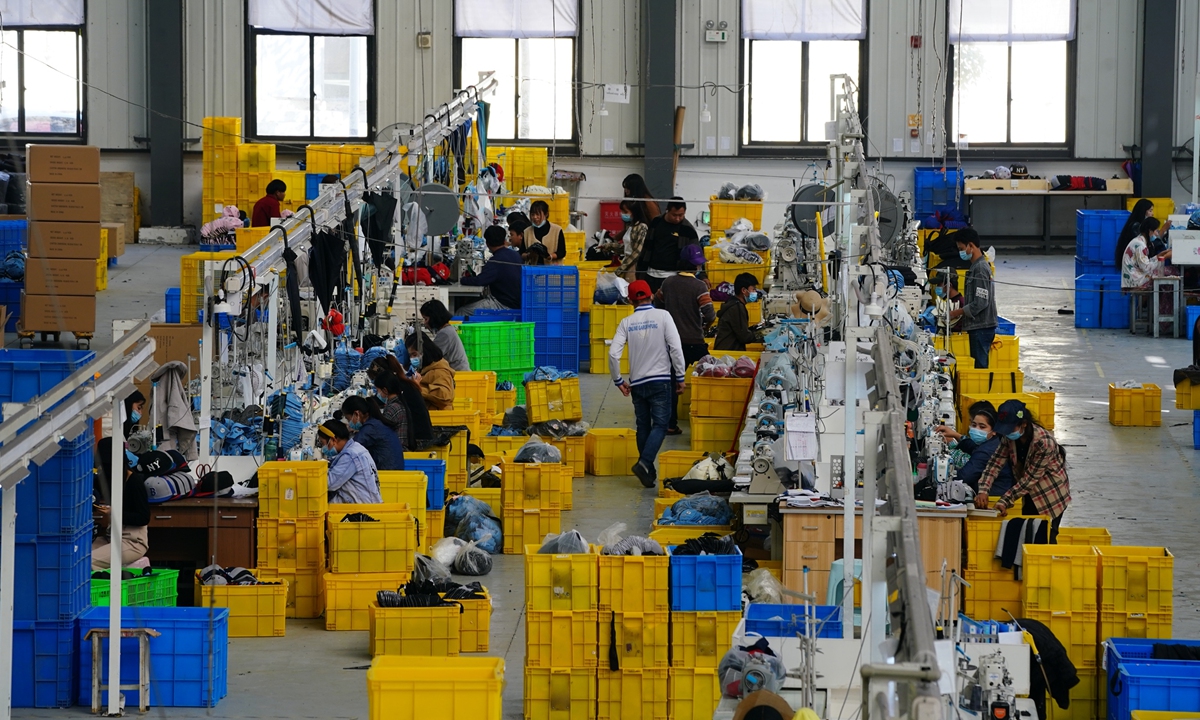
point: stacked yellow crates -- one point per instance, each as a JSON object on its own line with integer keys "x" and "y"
{"x": 603, "y": 322}
{"x": 220, "y": 139}
{"x": 335, "y": 159}
{"x": 698, "y": 642}
{"x": 256, "y": 169}
{"x": 532, "y": 497}
{"x": 293, "y": 500}
{"x": 366, "y": 557}
{"x": 717, "y": 407}
{"x": 523, "y": 166}
{"x": 454, "y": 453}
{"x": 476, "y": 390}
{"x": 561, "y": 645}
{"x": 294, "y": 179}
{"x": 994, "y": 591}
{"x": 408, "y": 487}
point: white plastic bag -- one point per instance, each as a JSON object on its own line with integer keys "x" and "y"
{"x": 446, "y": 549}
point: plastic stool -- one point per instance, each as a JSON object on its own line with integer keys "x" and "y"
{"x": 143, "y": 636}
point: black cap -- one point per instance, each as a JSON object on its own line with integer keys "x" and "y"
{"x": 1009, "y": 415}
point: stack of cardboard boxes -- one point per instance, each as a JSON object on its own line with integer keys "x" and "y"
{"x": 63, "y": 200}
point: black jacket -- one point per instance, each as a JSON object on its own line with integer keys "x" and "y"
{"x": 733, "y": 326}
{"x": 1059, "y": 672}
{"x": 664, "y": 240}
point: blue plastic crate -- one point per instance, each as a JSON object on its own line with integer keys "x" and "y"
{"x": 585, "y": 335}
{"x": 1152, "y": 686}
{"x": 56, "y": 498}
{"x": 559, "y": 352}
{"x": 1139, "y": 650}
{"x": 14, "y": 235}
{"x": 1096, "y": 233}
{"x": 25, "y": 374}
{"x": 788, "y": 620}
{"x": 10, "y": 298}
{"x": 217, "y": 247}
{"x": 1089, "y": 291}
{"x": 706, "y": 582}
{"x": 1114, "y": 307}
{"x": 1193, "y": 312}
{"x": 312, "y": 184}
{"x": 435, "y": 473}
{"x": 492, "y": 315}
{"x": 112, "y": 262}
{"x": 172, "y": 303}
{"x": 1005, "y": 327}
{"x": 550, "y": 294}
{"x": 1087, "y": 267}
{"x": 1196, "y": 429}
{"x": 55, "y": 573}
{"x": 44, "y": 664}
{"x": 936, "y": 191}
{"x": 182, "y": 659}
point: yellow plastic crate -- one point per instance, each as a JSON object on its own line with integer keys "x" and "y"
{"x": 1078, "y": 632}
{"x": 1060, "y": 578}
{"x": 220, "y": 131}
{"x": 983, "y": 533}
{"x": 491, "y": 496}
{"x": 669, "y": 535}
{"x": 437, "y": 522}
{"x": 472, "y": 419}
{"x": 632, "y": 694}
{"x": 634, "y": 583}
{"x": 454, "y": 454}
{"x": 693, "y": 693}
{"x": 477, "y": 386}
{"x": 724, "y": 213}
{"x": 1163, "y": 715}
{"x": 254, "y": 610}
{"x": 562, "y": 638}
{"x": 405, "y": 487}
{"x": 1088, "y": 698}
{"x": 574, "y": 241}
{"x": 1135, "y": 625}
{"x": 1136, "y": 579}
{"x": 256, "y": 157}
{"x": 249, "y": 237}
{"x": 523, "y": 166}
{"x": 560, "y": 207}
{"x": 525, "y": 527}
{"x": 102, "y": 262}
{"x": 701, "y": 639}
{"x": 323, "y": 159}
{"x": 719, "y": 272}
{"x": 305, "y": 590}
{"x": 503, "y": 400}
{"x": 424, "y": 631}
{"x": 191, "y": 281}
{"x": 599, "y": 357}
{"x": 719, "y": 397}
{"x": 1187, "y": 396}
{"x": 1163, "y": 206}
{"x": 588, "y": 272}
{"x": 347, "y": 597}
{"x": 560, "y": 694}
{"x": 1134, "y": 407}
{"x": 403, "y": 687}
{"x": 293, "y": 543}
{"x": 561, "y": 582}
{"x": 604, "y": 320}
{"x": 986, "y": 382}
{"x": 574, "y": 453}
{"x": 293, "y": 489}
{"x": 1040, "y": 403}
{"x": 1084, "y": 536}
{"x": 475, "y": 624}
{"x": 676, "y": 463}
{"x": 532, "y": 486}
{"x": 992, "y": 595}
{"x": 558, "y": 400}
{"x": 386, "y": 546}
{"x": 501, "y": 444}
{"x": 611, "y": 451}
{"x": 714, "y": 434}
{"x": 640, "y": 640}
{"x": 1004, "y": 353}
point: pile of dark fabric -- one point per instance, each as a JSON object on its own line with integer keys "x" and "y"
{"x": 450, "y": 589}
{"x": 699, "y": 509}
{"x": 357, "y": 517}
{"x": 473, "y": 521}
{"x": 707, "y": 544}
{"x": 570, "y": 542}
{"x": 217, "y": 575}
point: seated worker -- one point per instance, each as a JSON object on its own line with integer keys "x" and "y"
{"x": 437, "y": 318}
{"x": 518, "y": 223}
{"x": 436, "y": 377}
{"x": 403, "y": 409}
{"x": 135, "y": 541}
{"x": 545, "y": 232}
{"x": 979, "y": 310}
{"x": 352, "y": 474}
{"x": 977, "y": 448}
{"x": 267, "y": 206}
{"x": 1138, "y": 265}
{"x": 733, "y": 319}
{"x": 945, "y": 286}
{"x": 501, "y": 275}
{"x": 364, "y": 420}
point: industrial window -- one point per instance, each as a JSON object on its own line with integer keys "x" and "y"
{"x": 789, "y": 51}
{"x": 41, "y": 51}
{"x": 310, "y": 68}
{"x": 1010, "y": 71}
{"x": 530, "y": 46}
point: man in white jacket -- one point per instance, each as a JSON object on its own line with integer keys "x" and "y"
{"x": 654, "y": 353}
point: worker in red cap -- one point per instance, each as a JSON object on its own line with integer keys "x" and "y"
{"x": 655, "y": 357}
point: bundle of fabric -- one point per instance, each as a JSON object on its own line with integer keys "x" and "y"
{"x": 236, "y": 439}
{"x": 1077, "y": 182}
{"x": 14, "y": 265}
{"x": 699, "y": 509}
{"x": 173, "y": 407}
{"x": 217, "y": 575}
{"x": 346, "y": 362}
{"x": 549, "y": 373}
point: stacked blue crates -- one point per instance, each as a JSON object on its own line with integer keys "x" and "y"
{"x": 937, "y": 190}
{"x": 14, "y": 237}
{"x": 550, "y": 300}
{"x": 1096, "y": 233}
{"x": 53, "y": 541}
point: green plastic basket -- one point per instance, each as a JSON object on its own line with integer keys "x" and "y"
{"x": 158, "y": 589}
{"x": 498, "y": 346}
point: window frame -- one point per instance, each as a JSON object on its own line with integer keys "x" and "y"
{"x": 79, "y": 137}
{"x": 251, "y": 119}
{"x": 1066, "y": 148}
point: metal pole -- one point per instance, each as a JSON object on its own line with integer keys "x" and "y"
{"x": 116, "y": 494}
{"x": 849, "y": 476}
{"x": 272, "y": 334}
{"x": 206, "y": 370}
{"x": 8, "y": 528}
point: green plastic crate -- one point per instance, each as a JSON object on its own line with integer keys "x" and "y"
{"x": 498, "y": 346}
{"x": 158, "y": 589}
{"x": 517, "y": 378}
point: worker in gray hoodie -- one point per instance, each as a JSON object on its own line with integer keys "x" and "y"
{"x": 979, "y": 313}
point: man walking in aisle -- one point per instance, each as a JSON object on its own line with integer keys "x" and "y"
{"x": 686, "y": 298}
{"x": 655, "y": 356}
{"x": 979, "y": 313}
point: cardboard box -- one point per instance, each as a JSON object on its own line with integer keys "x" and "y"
{"x": 116, "y": 239}
{"x": 58, "y": 313}
{"x": 54, "y": 276}
{"x": 62, "y": 163}
{"x": 65, "y": 240}
{"x": 174, "y": 342}
{"x": 63, "y": 202}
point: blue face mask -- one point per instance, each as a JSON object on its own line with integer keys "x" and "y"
{"x": 626, "y": 217}
{"x": 541, "y": 224}
{"x": 135, "y": 416}
{"x": 964, "y": 254}
{"x": 379, "y": 395}
{"x": 939, "y": 292}
{"x": 1014, "y": 435}
{"x": 329, "y": 451}
{"x": 979, "y": 436}
{"x": 131, "y": 459}
{"x": 752, "y": 297}
{"x": 355, "y": 426}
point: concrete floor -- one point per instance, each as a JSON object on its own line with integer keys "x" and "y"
{"x": 1140, "y": 483}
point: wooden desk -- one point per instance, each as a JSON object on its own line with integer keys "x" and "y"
{"x": 195, "y": 532}
{"x": 971, "y": 193}
{"x": 812, "y": 537}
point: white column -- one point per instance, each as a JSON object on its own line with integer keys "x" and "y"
{"x": 116, "y": 522}
{"x": 8, "y": 528}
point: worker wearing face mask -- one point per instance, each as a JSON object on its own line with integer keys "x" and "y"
{"x": 545, "y": 232}
{"x": 365, "y": 421}
{"x": 733, "y": 319}
{"x": 979, "y": 313}
{"x": 352, "y": 474}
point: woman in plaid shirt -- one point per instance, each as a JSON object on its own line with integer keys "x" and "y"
{"x": 1039, "y": 465}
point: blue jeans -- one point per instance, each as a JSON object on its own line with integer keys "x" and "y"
{"x": 652, "y": 407}
{"x": 981, "y": 343}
